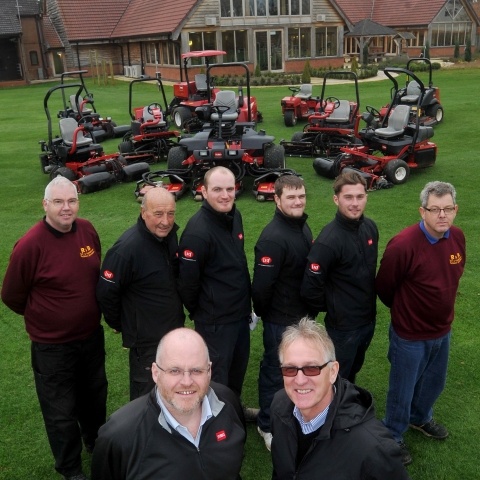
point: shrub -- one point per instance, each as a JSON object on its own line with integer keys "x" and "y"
{"x": 456, "y": 51}
{"x": 258, "y": 72}
{"x": 306, "y": 75}
{"x": 468, "y": 51}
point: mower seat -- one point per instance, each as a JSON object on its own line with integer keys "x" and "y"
{"x": 305, "y": 92}
{"x": 201, "y": 82}
{"x": 85, "y": 111}
{"x": 226, "y": 98}
{"x": 397, "y": 122}
{"x": 67, "y": 130}
{"x": 341, "y": 114}
{"x": 412, "y": 94}
{"x": 148, "y": 117}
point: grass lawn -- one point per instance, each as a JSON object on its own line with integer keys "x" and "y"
{"x": 24, "y": 450}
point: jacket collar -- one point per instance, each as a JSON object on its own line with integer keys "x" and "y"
{"x": 292, "y": 221}
{"x": 143, "y": 228}
{"x": 347, "y": 223}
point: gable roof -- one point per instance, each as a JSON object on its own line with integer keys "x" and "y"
{"x": 369, "y": 28}
{"x": 52, "y": 40}
{"x": 389, "y": 12}
{"x": 9, "y": 22}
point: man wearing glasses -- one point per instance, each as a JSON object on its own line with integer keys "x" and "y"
{"x": 324, "y": 426}
{"x": 51, "y": 280}
{"x": 186, "y": 427}
{"x": 418, "y": 280}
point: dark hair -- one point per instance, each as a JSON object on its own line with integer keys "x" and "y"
{"x": 290, "y": 181}
{"x": 348, "y": 177}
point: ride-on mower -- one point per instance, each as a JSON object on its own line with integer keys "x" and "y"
{"x": 389, "y": 151}
{"x": 149, "y": 131}
{"x": 300, "y": 105}
{"x": 423, "y": 99}
{"x": 226, "y": 139}
{"x": 332, "y": 125}
{"x": 74, "y": 154}
{"x": 81, "y": 107}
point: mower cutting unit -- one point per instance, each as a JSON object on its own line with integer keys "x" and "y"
{"x": 424, "y": 100}
{"x": 388, "y": 153}
{"x": 161, "y": 178}
{"x": 81, "y": 107}
{"x": 300, "y": 105}
{"x": 333, "y": 124}
{"x": 149, "y": 133}
{"x": 74, "y": 155}
{"x": 228, "y": 138}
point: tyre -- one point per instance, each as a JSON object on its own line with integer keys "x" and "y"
{"x": 325, "y": 167}
{"x": 175, "y": 157}
{"x": 297, "y": 137}
{"x": 125, "y": 146}
{"x": 274, "y": 157}
{"x": 397, "y": 171}
{"x": 63, "y": 172}
{"x": 180, "y": 116}
{"x": 436, "y": 112}
{"x": 290, "y": 118}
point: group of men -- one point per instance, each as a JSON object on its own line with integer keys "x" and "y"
{"x": 187, "y": 388}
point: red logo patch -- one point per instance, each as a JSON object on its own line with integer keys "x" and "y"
{"x": 266, "y": 260}
{"x": 240, "y": 236}
{"x": 188, "y": 254}
{"x": 370, "y": 241}
{"x": 314, "y": 267}
{"x": 108, "y": 274}
{"x": 221, "y": 435}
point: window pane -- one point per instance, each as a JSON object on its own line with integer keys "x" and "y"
{"x": 283, "y": 7}
{"x": 293, "y": 43}
{"x": 305, "y": 43}
{"x": 238, "y": 8}
{"x": 209, "y": 40}
{"x": 33, "y": 57}
{"x": 250, "y": 8}
{"x": 305, "y": 7}
{"x": 295, "y": 7}
{"x": 225, "y": 8}
{"x": 332, "y": 45}
{"x": 228, "y": 44}
{"x": 261, "y": 8}
{"x": 241, "y": 45}
{"x": 273, "y": 7}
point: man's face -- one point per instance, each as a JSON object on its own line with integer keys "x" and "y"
{"x": 158, "y": 212}
{"x": 61, "y": 209}
{"x": 311, "y": 395}
{"x": 183, "y": 393}
{"x": 437, "y": 224}
{"x": 292, "y": 202}
{"x": 220, "y": 193}
{"x": 351, "y": 201}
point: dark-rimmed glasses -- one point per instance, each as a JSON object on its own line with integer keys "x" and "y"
{"x": 177, "y": 372}
{"x": 308, "y": 370}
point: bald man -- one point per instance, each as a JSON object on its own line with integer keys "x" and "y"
{"x": 137, "y": 290}
{"x": 185, "y": 428}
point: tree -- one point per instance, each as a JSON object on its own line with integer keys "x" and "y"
{"x": 456, "y": 51}
{"x": 468, "y": 51}
{"x": 365, "y": 54}
{"x": 354, "y": 67}
{"x": 306, "y": 75}
{"x": 426, "y": 50}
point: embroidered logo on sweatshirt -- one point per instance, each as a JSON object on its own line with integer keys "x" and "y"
{"x": 221, "y": 435}
{"x": 240, "y": 236}
{"x": 188, "y": 254}
{"x": 455, "y": 259}
{"x": 315, "y": 267}
{"x": 86, "y": 251}
{"x": 108, "y": 274}
{"x": 266, "y": 260}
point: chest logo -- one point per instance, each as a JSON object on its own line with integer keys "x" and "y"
{"x": 221, "y": 436}
{"x": 108, "y": 274}
{"x": 86, "y": 251}
{"x": 455, "y": 259}
{"x": 240, "y": 236}
{"x": 266, "y": 260}
{"x": 188, "y": 254}
{"x": 315, "y": 267}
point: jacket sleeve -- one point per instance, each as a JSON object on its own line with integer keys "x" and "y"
{"x": 269, "y": 258}
{"x": 319, "y": 262}
{"x": 192, "y": 254}
{"x": 383, "y": 461}
{"x": 115, "y": 276}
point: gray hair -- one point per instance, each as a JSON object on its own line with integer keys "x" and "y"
{"x": 310, "y": 330}
{"x": 59, "y": 181}
{"x": 438, "y": 189}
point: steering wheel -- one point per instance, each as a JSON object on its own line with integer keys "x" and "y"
{"x": 152, "y": 107}
{"x": 372, "y": 111}
{"x": 85, "y": 119}
{"x": 334, "y": 100}
{"x": 294, "y": 90}
{"x": 220, "y": 109}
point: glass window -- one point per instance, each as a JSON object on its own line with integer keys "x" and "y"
{"x": 250, "y": 8}
{"x": 234, "y": 42}
{"x": 238, "y": 8}
{"x": 201, "y": 41}
{"x": 225, "y": 8}
{"x": 273, "y": 7}
{"x": 33, "y": 57}
{"x": 326, "y": 44}
{"x": 261, "y": 8}
{"x": 299, "y": 44}
{"x": 305, "y": 7}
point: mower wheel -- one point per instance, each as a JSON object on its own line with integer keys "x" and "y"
{"x": 175, "y": 158}
{"x": 290, "y": 118}
{"x": 297, "y": 137}
{"x": 63, "y": 172}
{"x": 436, "y": 112}
{"x": 180, "y": 116}
{"x": 125, "y": 146}
{"x": 274, "y": 157}
{"x": 397, "y": 171}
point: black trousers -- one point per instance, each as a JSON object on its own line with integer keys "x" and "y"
{"x": 71, "y": 387}
{"x": 140, "y": 361}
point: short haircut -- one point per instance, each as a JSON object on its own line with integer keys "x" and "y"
{"x": 348, "y": 177}
{"x": 147, "y": 195}
{"x": 289, "y": 181}
{"x": 210, "y": 172}
{"x": 58, "y": 181}
{"x": 313, "y": 332}
{"x": 438, "y": 189}
{"x": 180, "y": 331}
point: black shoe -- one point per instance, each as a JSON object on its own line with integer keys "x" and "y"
{"x": 432, "y": 429}
{"x": 406, "y": 457}
{"x": 250, "y": 414}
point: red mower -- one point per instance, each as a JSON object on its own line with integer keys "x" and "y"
{"x": 74, "y": 154}
{"x": 300, "y": 105}
{"x": 332, "y": 125}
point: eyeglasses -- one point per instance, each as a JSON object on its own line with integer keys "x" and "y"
{"x": 309, "y": 370}
{"x": 72, "y": 202}
{"x": 436, "y": 210}
{"x": 178, "y": 372}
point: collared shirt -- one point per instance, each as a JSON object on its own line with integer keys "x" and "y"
{"x": 183, "y": 431}
{"x": 312, "y": 425}
{"x": 431, "y": 238}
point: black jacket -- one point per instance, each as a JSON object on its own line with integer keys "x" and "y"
{"x": 214, "y": 277}
{"x": 351, "y": 445}
{"x": 280, "y": 260}
{"x": 340, "y": 275}
{"x": 137, "y": 443}
{"x": 137, "y": 290}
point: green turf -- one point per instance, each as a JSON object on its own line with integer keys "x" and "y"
{"x": 24, "y": 451}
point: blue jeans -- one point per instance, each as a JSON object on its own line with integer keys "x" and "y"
{"x": 350, "y": 348}
{"x": 418, "y": 371}
{"x": 270, "y": 379}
